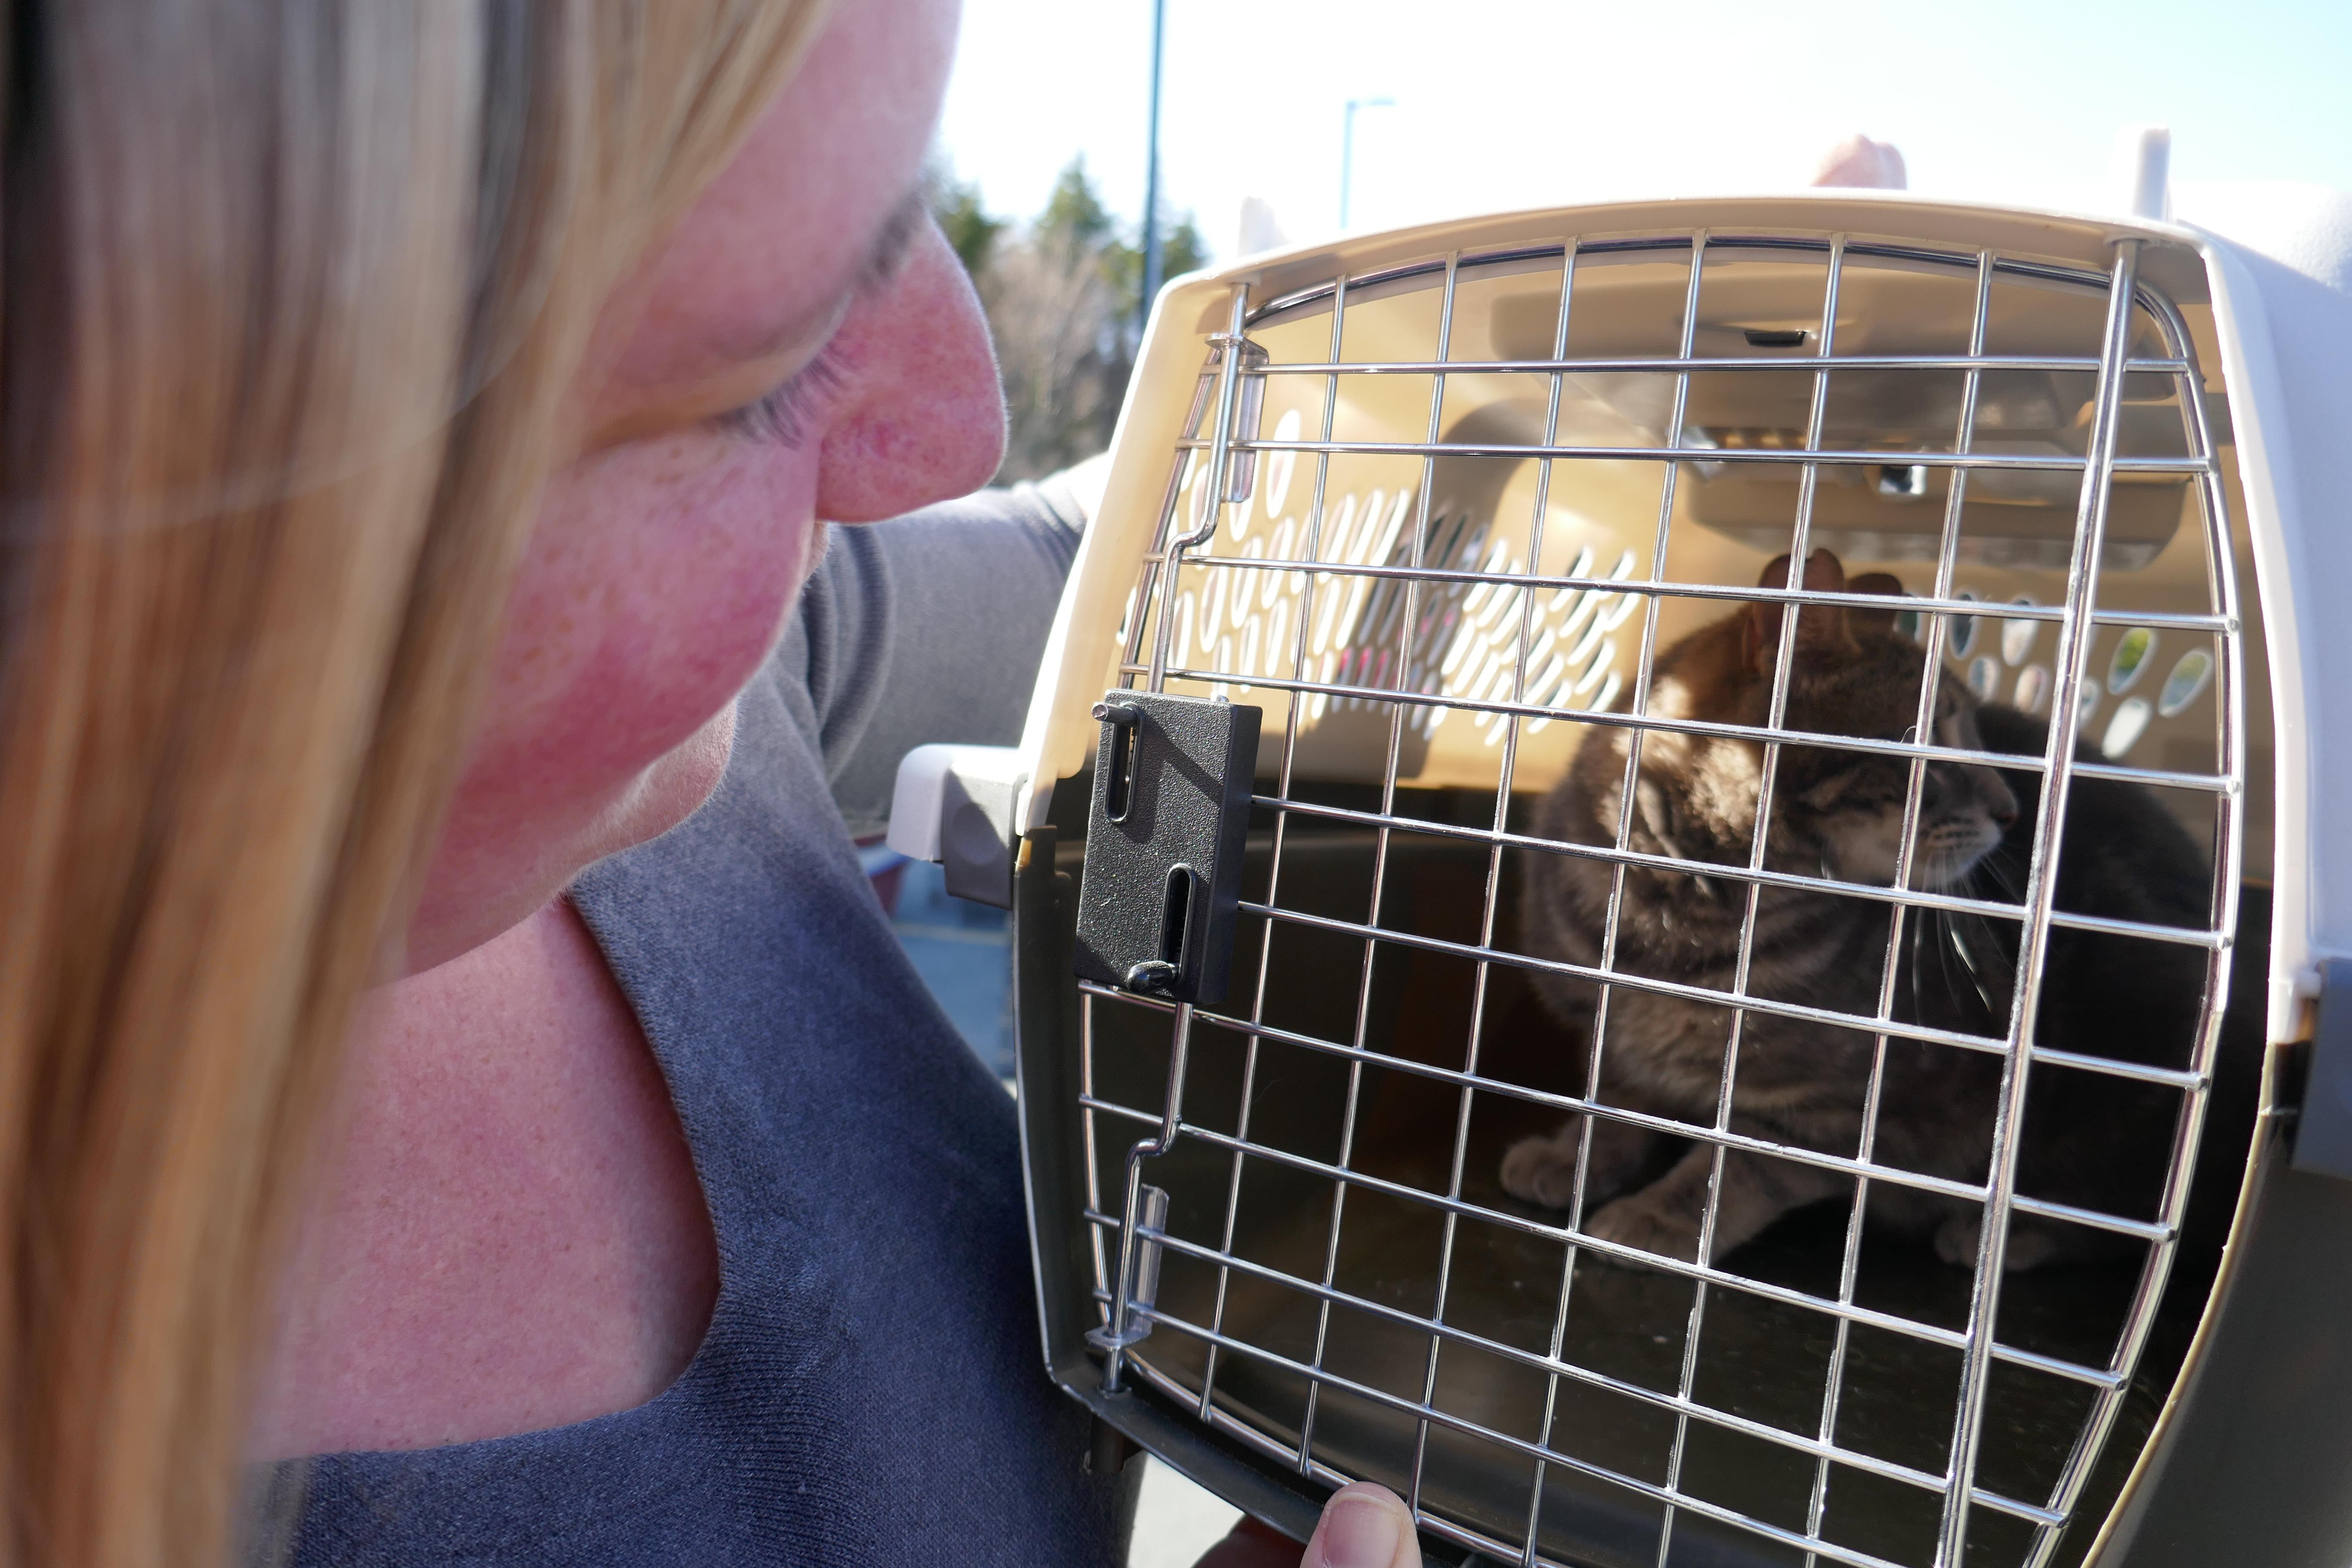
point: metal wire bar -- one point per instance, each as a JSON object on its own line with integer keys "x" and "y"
{"x": 2231, "y": 785}
{"x": 1914, "y": 786}
{"x": 2137, "y": 1071}
{"x": 2186, "y": 1078}
{"x": 1826, "y": 457}
{"x": 1803, "y": 364}
{"x": 1086, "y": 1134}
{"x": 2040, "y": 886}
{"x": 1783, "y": 667}
{"x": 1436, "y": 1524}
{"x": 2154, "y": 620}
{"x": 2157, "y": 620}
{"x": 1911, "y": 898}
{"x": 2045, "y": 271}
{"x": 1860, "y": 1167}
{"x": 1904, "y": 749}
{"x": 1483, "y": 1543}
{"x": 1909, "y": 1328}
{"x": 1212, "y": 502}
{"x": 2228, "y": 718}
{"x": 1380, "y": 855}
{"x": 1320, "y": 1378}
{"x": 1171, "y": 1121}
{"x": 1281, "y": 823}
{"x": 1146, "y": 590}
{"x": 1534, "y": 567}
{"x": 1316, "y": 1470}
{"x": 1552, "y": 1365}
{"x": 2075, "y": 1372}
{"x": 1521, "y": 640}
{"x": 1644, "y": 663}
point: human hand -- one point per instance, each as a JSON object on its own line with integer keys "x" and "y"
{"x": 1363, "y": 1526}
{"x": 1860, "y": 161}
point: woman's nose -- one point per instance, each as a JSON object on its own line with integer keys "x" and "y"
{"x": 924, "y": 419}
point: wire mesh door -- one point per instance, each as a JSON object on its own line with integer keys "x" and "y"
{"x": 1458, "y": 527}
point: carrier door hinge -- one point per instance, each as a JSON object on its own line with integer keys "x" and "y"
{"x": 1165, "y": 838}
{"x": 2323, "y": 1132}
{"x": 1143, "y": 1291}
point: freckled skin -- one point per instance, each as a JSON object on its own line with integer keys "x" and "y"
{"x": 449, "y": 1204}
{"x": 602, "y": 730}
{"x": 508, "y": 1233}
{"x": 639, "y": 620}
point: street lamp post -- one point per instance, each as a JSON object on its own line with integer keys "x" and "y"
{"x": 1151, "y": 259}
{"x": 1347, "y": 148}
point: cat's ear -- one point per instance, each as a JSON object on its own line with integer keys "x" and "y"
{"x": 1880, "y": 623}
{"x": 1820, "y": 627}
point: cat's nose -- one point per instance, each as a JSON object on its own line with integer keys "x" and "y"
{"x": 2001, "y": 803}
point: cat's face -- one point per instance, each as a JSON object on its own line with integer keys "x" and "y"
{"x": 1846, "y": 807}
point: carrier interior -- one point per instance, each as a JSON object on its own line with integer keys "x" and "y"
{"x": 1341, "y": 1270}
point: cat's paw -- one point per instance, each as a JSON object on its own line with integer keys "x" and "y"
{"x": 1633, "y": 1222}
{"x": 2030, "y": 1246}
{"x": 1541, "y": 1171}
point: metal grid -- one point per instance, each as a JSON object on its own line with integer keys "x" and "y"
{"x": 1424, "y": 565}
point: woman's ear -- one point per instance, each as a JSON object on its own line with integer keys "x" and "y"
{"x": 1820, "y": 627}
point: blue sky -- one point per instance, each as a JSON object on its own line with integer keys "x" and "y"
{"x": 1503, "y": 103}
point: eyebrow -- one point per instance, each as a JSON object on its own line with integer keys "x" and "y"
{"x": 894, "y": 240}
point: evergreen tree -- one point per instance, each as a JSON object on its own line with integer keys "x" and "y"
{"x": 1183, "y": 250}
{"x": 1061, "y": 293}
{"x": 1074, "y": 214}
{"x": 972, "y": 232}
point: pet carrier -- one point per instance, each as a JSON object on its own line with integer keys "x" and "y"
{"x": 1395, "y": 530}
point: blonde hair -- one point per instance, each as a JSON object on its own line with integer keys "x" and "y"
{"x": 293, "y": 292}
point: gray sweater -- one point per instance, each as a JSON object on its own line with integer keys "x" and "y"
{"x": 871, "y": 1389}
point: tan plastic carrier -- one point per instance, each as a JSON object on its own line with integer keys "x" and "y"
{"x": 1433, "y": 501}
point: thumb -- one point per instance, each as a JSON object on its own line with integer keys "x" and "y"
{"x": 1363, "y": 1526}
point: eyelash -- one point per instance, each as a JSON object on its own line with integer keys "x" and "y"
{"x": 782, "y": 415}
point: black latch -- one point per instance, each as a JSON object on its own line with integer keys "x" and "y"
{"x": 1164, "y": 843}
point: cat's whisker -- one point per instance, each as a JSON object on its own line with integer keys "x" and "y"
{"x": 1976, "y": 963}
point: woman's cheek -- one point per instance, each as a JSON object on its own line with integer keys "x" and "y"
{"x": 657, "y": 581}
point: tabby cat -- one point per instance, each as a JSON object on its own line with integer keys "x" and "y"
{"x": 2091, "y": 1139}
